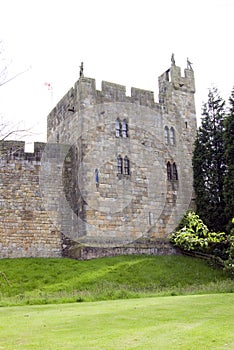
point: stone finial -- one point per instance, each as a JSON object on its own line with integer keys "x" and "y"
{"x": 172, "y": 59}
{"x": 81, "y": 70}
{"x": 189, "y": 64}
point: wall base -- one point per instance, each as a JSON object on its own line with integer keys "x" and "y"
{"x": 75, "y": 250}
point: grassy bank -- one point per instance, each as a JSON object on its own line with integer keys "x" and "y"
{"x": 175, "y": 323}
{"x": 43, "y": 281}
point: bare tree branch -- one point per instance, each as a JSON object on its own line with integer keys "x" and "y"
{"x": 9, "y": 129}
{"x": 4, "y": 64}
{"x": 15, "y": 76}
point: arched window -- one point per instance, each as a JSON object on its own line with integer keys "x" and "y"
{"x": 117, "y": 128}
{"x": 120, "y": 164}
{"x": 124, "y": 128}
{"x": 172, "y": 136}
{"x": 169, "y": 171}
{"x": 126, "y": 166}
{"x": 166, "y": 135}
{"x": 174, "y": 172}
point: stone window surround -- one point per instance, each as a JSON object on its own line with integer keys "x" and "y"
{"x": 172, "y": 173}
{"x": 121, "y": 128}
{"x": 169, "y": 136}
{"x": 123, "y": 166}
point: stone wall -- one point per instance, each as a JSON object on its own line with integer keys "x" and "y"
{"x": 121, "y": 208}
{"x": 53, "y": 204}
{"x": 25, "y": 226}
{"x": 141, "y": 247}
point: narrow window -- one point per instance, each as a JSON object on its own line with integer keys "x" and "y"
{"x": 168, "y": 75}
{"x": 166, "y": 135}
{"x": 125, "y": 128}
{"x": 11, "y": 153}
{"x": 117, "y": 128}
{"x": 186, "y": 125}
{"x": 169, "y": 171}
{"x": 120, "y": 165}
{"x": 174, "y": 172}
{"x": 38, "y": 156}
{"x": 151, "y": 218}
{"x": 126, "y": 166}
{"x": 172, "y": 136}
{"x": 96, "y": 177}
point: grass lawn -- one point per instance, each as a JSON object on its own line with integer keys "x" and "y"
{"x": 46, "y": 281}
{"x": 176, "y": 322}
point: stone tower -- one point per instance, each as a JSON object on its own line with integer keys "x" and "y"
{"x": 125, "y": 172}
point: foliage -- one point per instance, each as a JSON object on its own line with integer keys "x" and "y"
{"x": 229, "y": 263}
{"x": 43, "y": 281}
{"x": 229, "y": 159}
{"x": 209, "y": 163}
{"x": 195, "y": 236}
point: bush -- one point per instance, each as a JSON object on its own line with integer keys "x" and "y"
{"x": 193, "y": 235}
{"x": 229, "y": 263}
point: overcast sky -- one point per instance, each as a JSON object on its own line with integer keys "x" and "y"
{"x": 129, "y": 42}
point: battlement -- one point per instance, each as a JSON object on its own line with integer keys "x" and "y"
{"x": 172, "y": 79}
{"x": 15, "y": 150}
{"x": 85, "y": 94}
{"x": 115, "y": 178}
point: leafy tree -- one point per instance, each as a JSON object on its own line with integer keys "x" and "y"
{"x": 229, "y": 158}
{"x": 209, "y": 163}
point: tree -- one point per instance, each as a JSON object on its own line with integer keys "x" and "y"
{"x": 9, "y": 129}
{"x": 229, "y": 158}
{"x": 4, "y": 65}
{"x": 209, "y": 163}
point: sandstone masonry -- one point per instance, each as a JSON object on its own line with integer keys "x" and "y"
{"x": 25, "y": 227}
{"x": 114, "y": 178}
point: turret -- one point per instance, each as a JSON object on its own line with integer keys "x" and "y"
{"x": 176, "y": 93}
{"x": 172, "y": 83}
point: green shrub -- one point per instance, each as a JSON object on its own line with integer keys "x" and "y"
{"x": 193, "y": 235}
{"x": 229, "y": 263}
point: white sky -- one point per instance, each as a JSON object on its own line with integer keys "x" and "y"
{"x": 129, "y": 42}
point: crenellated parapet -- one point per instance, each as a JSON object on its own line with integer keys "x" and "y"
{"x": 63, "y": 108}
{"x": 114, "y": 178}
{"x": 172, "y": 82}
{"x": 15, "y": 150}
{"x": 84, "y": 94}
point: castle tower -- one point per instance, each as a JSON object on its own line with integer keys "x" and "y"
{"x": 127, "y": 172}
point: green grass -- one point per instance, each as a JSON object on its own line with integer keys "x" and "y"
{"x": 175, "y": 323}
{"x": 44, "y": 281}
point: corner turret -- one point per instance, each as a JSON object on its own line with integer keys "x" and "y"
{"x": 176, "y": 94}
{"x": 172, "y": 78}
